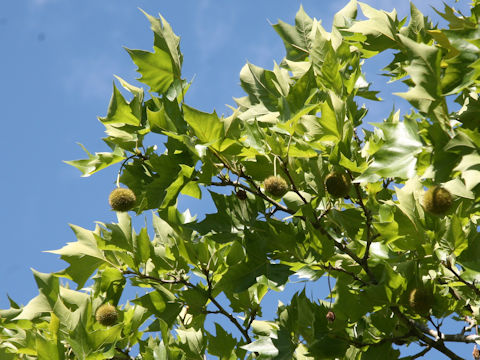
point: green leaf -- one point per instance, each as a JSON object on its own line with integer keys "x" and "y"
{"x": 192, "y": 342}
{"x": 396, "y": 157}
{"x": 119, "y": 111}
{"x": 35, "y": 307}
{"x": 48, "y": 349}
{"x": 156, "y": 68}
{"x": 222, "y": 343}
{"x": 83, "y": 256}
{"x": 263, "y": 346}
{"x": 167, "y": 40}
{"x": 424, "y": 71}
{"x": 207, "y": 127}
{"x": 296, "y": 38}
{"x": 98, "y": 161}
{"x": 346, "y": 15}
{"x": 259, "y": 85}
{"x": 142, "y": 247}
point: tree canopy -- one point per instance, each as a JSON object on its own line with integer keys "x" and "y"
{"x": 303, "y": 189}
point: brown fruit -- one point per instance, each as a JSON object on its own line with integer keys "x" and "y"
{"x": 338, "y": 184}
{"x": 122, "y": 199}
{"x": 476, "y": 352}
{"x": 276, "y": 186}
{"x": 330, "y": 316}
{"x": 241, "y": 194}
{"x": 107, "y": 315}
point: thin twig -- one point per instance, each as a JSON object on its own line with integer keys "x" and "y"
{"x": 368, "y": 217}
{"x": 175, "y": 280}
{"x": 330, "y": 267}
{"x": 294, "y": 187}
{"x": 362, "y": 263}
{"x": 422, "y": 331}
{"x": 257, "y": 191}
{"x": 459, "y": 277}
{"x": 222, "y": 310}
{"x": 420, "y": 354}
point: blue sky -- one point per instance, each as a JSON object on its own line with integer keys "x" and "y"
{"x": 57, "y": 64}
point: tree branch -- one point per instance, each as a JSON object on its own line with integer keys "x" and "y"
{"x": 358, "y": 260}
{"x": 221, "y": 309}
{"x": 419, "y": 355}
{"x": 175, "y": 280}
{"x": 459, "y": 278}
{"x": 257, "y": 191}
{"x": 294, "y": 187}
{"x": 333, "y": 268}
{"x": 421, "y": 331}
{"x": 368, "y": 217}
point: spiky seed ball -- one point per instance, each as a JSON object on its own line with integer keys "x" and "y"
{"x": 276, "y": 186}
{"x": 421, "y": 300}
{"x": 241, "y": 194}
{"x": 107, "y": 315}
{"x": 122, "y": 199}
{"x": 330, "y": 316}
{"x": 338, "y": 184}
{"x": 437, "y": 200}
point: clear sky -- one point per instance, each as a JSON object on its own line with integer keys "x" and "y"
{"x": 57, "y": 63}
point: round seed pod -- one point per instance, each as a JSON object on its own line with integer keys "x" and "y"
{"x": 241, "y": 194}
{"x": 107, "y": 315}
{"x": 330, "y": 316}
{"x": 122, "y": 199}
{"x": 338, "y": 184}
{"x": 421, "y": 300}
{"x": 437, "y": 200}
{"x": 276, "y": 186}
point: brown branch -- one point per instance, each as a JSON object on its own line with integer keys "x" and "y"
{"x": 175, "y": 280}
{"x": 421, "y": 331}
{"x": 252, "y": 183}
{"x": 252, "y": 317}
{"x": 294, "y": 187}
{"x": 257, "y": 191}
{"x": 221, "y": 309}
{"x": 418, "y": 355}
{"x": 333, "y": 268}
{"x": 368, "y": 217}
{"x": 358, "y": 260}
{"x": 459, "y": 278}
{"x": 452, "y": 292}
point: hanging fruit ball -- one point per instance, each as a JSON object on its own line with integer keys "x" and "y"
{"x": 122, "y": 199}
{"x": 437, "y": 200}
{"x": 338, "y": 184}
{"x": 276, "y": 186}
{"x": 107, "y": 315}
